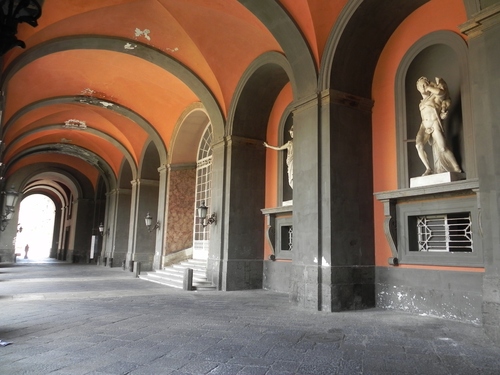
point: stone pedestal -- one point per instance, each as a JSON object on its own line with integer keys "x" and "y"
{"x": 438, "y": 178}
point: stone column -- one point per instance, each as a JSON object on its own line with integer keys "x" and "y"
{"x": 81, "y": 230}
{"x": 62, "y": 233}
{"x": 307, "y": 243}
{"x": 132, "y": 231}
{"x": 333, "y": 256}
{"x": 239, "y": 219}
{"x": 7, "y": 239}
{"x": 109, "y": 222}
{"x": 57, "y": 231}
{"x": 121, "y": 224}
{"x": 161, "y": 217}
{"x": 483, "y": 31}
{"x": 142, "y": 244}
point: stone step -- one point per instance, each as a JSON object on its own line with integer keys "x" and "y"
{"x": 173, "y": 276}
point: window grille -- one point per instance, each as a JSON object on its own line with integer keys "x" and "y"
{"x": 445, "y": 233}
{"x": 287, "y": 238}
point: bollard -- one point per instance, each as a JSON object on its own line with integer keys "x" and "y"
{"x": 110, "y": 262}
{"x": 137, "y": 269}
{"x": 187, "y": 281}
{"x": 131, "y": 265}
{"x": 124, "y": 267}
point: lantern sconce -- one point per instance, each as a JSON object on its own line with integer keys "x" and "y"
{"x": 202, "y": 214}
{"x": 149, "y": 222}
{"x": 101, "y": 230}
{"x": 10, "y": 202}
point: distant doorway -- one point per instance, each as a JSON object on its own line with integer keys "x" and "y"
{"x": 35, "y": 227}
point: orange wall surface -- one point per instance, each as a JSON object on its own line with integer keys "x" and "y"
{"x": 424, "y": 20}
{"x": 271, "y": 197}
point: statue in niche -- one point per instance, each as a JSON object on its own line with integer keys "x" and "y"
{"x": 433, "y": 109}
{"x": 289, "y": 155}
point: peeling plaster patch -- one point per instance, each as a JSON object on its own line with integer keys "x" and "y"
{"x": 172, "y": 50}
{"x": 324, "y": 262}
{"x": 145, "y": 32}
{"x": 315, "y": 260}
{"x": 88, "y": 91}
{"x": 106, "y": 104}
{"x": 130, "y": 46}
{"x": 75, "y": 124}
{"x": 66, "y": 140}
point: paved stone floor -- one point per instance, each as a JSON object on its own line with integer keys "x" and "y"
{"x": 87, "y": 319}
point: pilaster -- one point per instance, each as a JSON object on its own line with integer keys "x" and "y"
{"x": 333, "y": 261}
{"x": 241, "y": 256}
{"x": 161, "y": 217}
{"x": 483, "y": 30}
{"x": 142, "y": 243}
{"x": 81, "y": 230}
{"x": 118, "y": 228}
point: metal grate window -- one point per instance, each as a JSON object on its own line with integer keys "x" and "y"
{"x": 287, "y": 238}
{"x": 445, "y": 233}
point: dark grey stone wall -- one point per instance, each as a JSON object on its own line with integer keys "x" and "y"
{"x": 484, "y": 34}
{"x": 277, "y": 276}
{"x": 446, "y": 294}
{"x": 83, "y": 235}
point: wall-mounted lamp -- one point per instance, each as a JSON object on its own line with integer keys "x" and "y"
{"x": 101, "y": 230}
{"x": 10, "y": 202}
{"x": 149, "y": 222}
{"x": 202, "y": 214}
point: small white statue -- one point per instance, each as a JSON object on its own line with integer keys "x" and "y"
{"x": 434, "y": 108}
{"x": 289, "y": 155}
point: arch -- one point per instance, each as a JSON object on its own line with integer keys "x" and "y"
{"x": 77, "y": 183}
{"x": 150, "y": 162}
{"x": 302, "y": 68}
{"x": 356, "y": 41}
{"x": 190, "y": 126}
{"x": 79, "y": 152}
{"x": 285, "y": 192}
{"x": 126, "y": 154}
{"x": 50, "y": 189}
{"x": 460, "y": 49}
{"x": 255, "y": 95}
{"x": 142, "y": 51}
{"x": 125, "y": 175}
{"x": 95, "y": 102}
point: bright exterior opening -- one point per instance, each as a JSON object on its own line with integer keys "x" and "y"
{"x": 36, "y": 218}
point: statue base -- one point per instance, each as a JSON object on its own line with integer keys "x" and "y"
{"x": 438, "y": 178}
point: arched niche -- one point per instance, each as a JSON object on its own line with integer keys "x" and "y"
{"x": 440, "y": 54}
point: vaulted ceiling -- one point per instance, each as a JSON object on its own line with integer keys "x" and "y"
{"x": 100, "y": 80}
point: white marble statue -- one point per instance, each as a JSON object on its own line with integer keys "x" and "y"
{"x": 433, "y": 109}
{"x": 289, "y": 155}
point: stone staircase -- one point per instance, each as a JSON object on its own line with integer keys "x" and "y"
{"x": 173, "y": 276}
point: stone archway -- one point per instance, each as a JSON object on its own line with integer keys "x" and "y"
{"x": 181, "y": 185}
{"x": 148, "y": 196}
{"x": 236, "y": 249}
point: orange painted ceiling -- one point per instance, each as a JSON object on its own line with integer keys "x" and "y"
{"x": 45, "y": 87}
